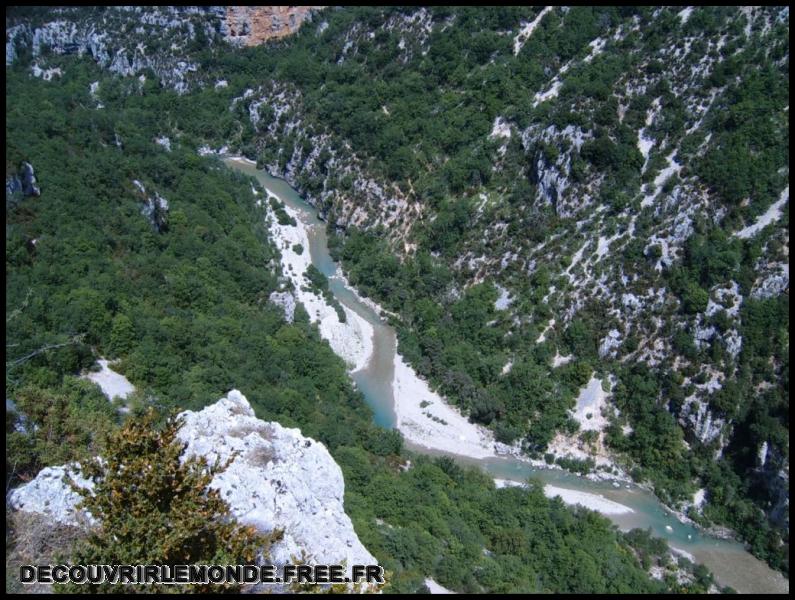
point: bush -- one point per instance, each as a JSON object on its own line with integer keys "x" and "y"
{"x": 694, "y": 299}
{"x": 154, "y": 509}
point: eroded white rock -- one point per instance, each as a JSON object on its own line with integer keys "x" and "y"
{"x": 279, "y": 480}
{"x": 285, "y": 301}
{"x": 49, "y": 494}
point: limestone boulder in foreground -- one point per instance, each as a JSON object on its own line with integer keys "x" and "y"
{"x": 279, "y": 480}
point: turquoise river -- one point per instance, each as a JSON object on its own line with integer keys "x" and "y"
{"x": 728, "y": 560}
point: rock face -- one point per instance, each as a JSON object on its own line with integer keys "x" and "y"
{"x": 48, "y": 495}
{"x": 773, "y": 476}
{"x": 286, "y": 301}
{"x": 121, "y": 39}
{"x": 22, "y": 184}
{"x": 155, "y": 208}
{"x": 253, "y": 25}
{"x": 280, "y": 479}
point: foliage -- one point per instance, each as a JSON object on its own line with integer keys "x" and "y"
{"x": 154, "y": 508}
{"x": 318, "y": 283}
{"x": 186, "y": 311}
{"x": 61, "y": 423}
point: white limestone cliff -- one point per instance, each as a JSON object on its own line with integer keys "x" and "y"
{"x": 279, "y": 480}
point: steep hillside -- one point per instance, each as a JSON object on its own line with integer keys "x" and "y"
{"x": 567, "y": 191}
{"x": 546, "y": 197}
{"x": 123, "y": 242}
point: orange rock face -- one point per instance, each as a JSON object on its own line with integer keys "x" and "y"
{"x": 253, "y": 25}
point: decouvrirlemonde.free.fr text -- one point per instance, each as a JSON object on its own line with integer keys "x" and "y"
{"x": 199, "y": 574}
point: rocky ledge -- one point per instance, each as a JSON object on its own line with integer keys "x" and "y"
{"x": 279, "y": 480}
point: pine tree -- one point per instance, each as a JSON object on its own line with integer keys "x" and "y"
{"x": 154, "y": 509}
{"x": 122, "y": 335}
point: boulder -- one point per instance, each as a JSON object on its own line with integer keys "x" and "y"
{"x": 278, "y": 480}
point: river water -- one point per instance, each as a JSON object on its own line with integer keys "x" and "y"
{"x": 730, "y": 563}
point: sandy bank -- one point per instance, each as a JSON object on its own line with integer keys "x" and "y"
{"x": 435, "y": 588}
{"x": 595, "y": 502}
{"x": 426, "y": 420}
{"x": 113, "y": 384}
{"x": 352, "y": 340}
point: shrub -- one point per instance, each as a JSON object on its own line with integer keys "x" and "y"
{"x": 154, "y": 509}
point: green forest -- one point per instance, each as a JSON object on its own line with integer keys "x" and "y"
{"x": 433, "y": 139}
{"x": 182, "y": 307}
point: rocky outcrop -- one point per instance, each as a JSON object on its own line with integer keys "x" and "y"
{"x": 155, "y": 208}
{"x": 278, "y": 480}
{"x": 609, "y": 343}
{"x": 551, "y": 174}
{"x": 49, "y": 495}
{"x": 121, "y": 39}
{"x": 700, "y": 421}
{"x": 253, "y": 25}
{"x": 777, "y": 282}
{"x": 21, "y": 185}
{"x": 165, "y": 142}
{"x": 12, "y": 35}
{"x": 285, "y": 301}
{"x": 45, "y": 74}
